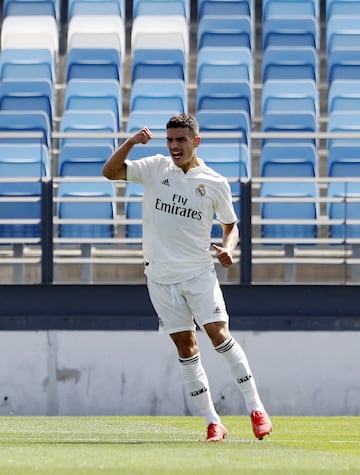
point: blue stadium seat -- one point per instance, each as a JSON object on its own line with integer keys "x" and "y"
{"x": 28, "y": 95}
{"x": 93, "y": 63}
{"x": 285, "y": 62}
{"x": 343, "y": 159}
{"x": 214, "y": 151}
{"x": 342, "y": 7}
{"x": 288, "y": 8}
{"x": 153, "y": 147}
{"x": 96, "y": 7}
{"x": 226, "y": 7}
{"x": 217, "y": 122}
{"x": 342, "y": 32}
{"x": 223, "y": 30}
{"x": 292, "y": 121}
{"x": 133, "y": 209}
{"x": 32, "y": 7}
{"x": 224, "y": 96}
{"x": 26, "y": 121}
{"x": 159, "y": 94}
{"x": 286, "y": 208}
{"x": 158, "y": 63}
{"x": 343, "y": 121}
{"x": 295, "y": 31}
{"x": 344, "y": 63}
{"x": 31, "y": 64}
{"x": 344, "y": 206}
{"x": 216, "y": 63}
{"x": 83, "y": 160}
{"x": 156, "y": 121}
{"x": 162, "y": 7}
{"x": 288, "y": 160}
{"x": 77, "y": 209}
{"x": 91, "y": 94}
{"x": 94, "y": 123}
{"x": 344, "y": 95}
{"x": 22, "y": 161}
{"x": 289, "y": 95}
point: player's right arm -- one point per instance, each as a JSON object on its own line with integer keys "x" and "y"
{"x": 115, "y": 166}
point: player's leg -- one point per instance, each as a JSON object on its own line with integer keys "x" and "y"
{"x": 196, "y": 383}
{"x": 176, "y": 320}
{"x": 207, "y": 302}
{"x": 237, "y": 361}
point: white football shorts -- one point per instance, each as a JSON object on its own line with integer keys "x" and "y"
{"x": 181, "y": 306}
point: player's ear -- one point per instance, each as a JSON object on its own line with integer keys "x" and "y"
{"x": 197, "y": 140}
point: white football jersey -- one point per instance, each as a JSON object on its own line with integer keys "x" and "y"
{"x": 178, "y": 212}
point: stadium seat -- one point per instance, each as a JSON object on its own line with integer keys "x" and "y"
{"x": 41, "y": 32}
{"x": 96, "y": 7}
{"x": 162, "y": 7}
{"x": 153, "y": 147}
{"x": 212, "y": 150}
{"x": 32, "y": 7}
{"x": 341, "y": 157}
{"x": 156, "y": 63}
{"x": 159, "y": 94}
{"x": 224, "y": 64}
{"x": 290, "y": 63}
{"x": 31, "y": 64}
{"x": 162, "y": 32}
{"x": 291, "y": 121}
{"x": 133, "y": 210}
{"x": 294, "y": 31}
{"x": 224, "y": 96}
{"x": 155, "y": 121}
{"x": 18, "y": 162}
{"x": 93, "y": 123}
{"x": 217, "y": 122}
{"x": 28, "y": 95}
{"x": 342, "y": 7}
{"x": 288, "y": 160}
{"x": 94, "y": 63}
{"x": 344, "y": 63}
{"x": 285, "y": 204}
{"x": 97, "y": 32}
{"x": 279, "y": 8}
{"x": 83, "y": 160}
{"x": 26, "y": 121}
{"x": 289, "y": 95}
{"x": 95, "y": 95}
{"x": 226, "y": 7}
{"x": 344, "y": 206}
{"x": 343, "y": 121}
{"x": 223, "y": 30}
{"x": 344, "y": 95}
{"x": 78, "y": 209}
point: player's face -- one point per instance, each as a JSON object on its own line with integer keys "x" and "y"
{"x": 182, "y": 144}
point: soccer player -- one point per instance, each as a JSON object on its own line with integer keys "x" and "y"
{"x": 181, "y": 195}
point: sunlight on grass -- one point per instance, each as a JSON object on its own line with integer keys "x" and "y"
{"x": 163, "y": 445}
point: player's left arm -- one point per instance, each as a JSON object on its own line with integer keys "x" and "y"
{"x": 230, "y": 240}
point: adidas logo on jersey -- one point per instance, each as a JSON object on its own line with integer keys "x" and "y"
{"x": 217, "y": 310}
{"x": 165, "y": 182}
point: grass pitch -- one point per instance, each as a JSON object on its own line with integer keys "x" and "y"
{"x": 174, "y": 445}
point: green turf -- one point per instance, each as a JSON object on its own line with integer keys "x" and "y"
{"x": 174, "y": 445}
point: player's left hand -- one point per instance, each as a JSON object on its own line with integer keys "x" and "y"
{"x": 223, "y": 255}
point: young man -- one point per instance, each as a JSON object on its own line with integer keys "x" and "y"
{"x": 181, "y": 195}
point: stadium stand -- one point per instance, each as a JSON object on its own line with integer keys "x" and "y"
{"x": 102, "y": 67}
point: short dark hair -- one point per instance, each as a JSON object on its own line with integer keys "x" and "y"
{"x": 183, "y": 120}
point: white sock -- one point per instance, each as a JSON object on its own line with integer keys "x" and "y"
{"x": 197, "y": 387}
{"x": 235, "y": 357}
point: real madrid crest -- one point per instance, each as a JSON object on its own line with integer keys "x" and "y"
{"x": 200, "y": 190}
